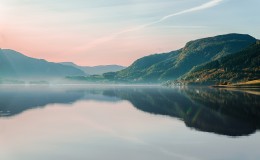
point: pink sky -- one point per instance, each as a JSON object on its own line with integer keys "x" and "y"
{"x": 59, "y": 46}
{"x": 117, "y": 32}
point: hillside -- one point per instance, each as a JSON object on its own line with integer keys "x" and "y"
{"x": 172, "y": 65}
{"x": 96, "y": 70}
{"x": 242, "y": 66}
{"x": 16, "y": 65}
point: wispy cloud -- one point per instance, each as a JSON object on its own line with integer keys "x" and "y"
{"x": 184, "y": 27}
{"x": 194, "y": 9}
{"x": 197, "y": 8}
{"x": 204, "y": 6}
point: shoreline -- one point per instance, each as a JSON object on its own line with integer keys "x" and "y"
{"x": 237, "y": 86}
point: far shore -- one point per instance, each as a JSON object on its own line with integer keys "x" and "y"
{"x": 248, "y": 84}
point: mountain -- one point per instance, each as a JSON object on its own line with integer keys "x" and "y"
{"x": 172, "y": 65}
{"x": 96, "y": 70}
{"x": 244, "y": 65}
{"x": 16, "y": 65}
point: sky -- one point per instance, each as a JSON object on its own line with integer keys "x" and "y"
{"x": 101, "y": 32}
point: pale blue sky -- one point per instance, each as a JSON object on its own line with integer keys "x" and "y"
{"x": 92, "y": 32}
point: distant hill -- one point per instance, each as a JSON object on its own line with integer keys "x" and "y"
{"x": 172, "y": 65}
{"x": 244, "y": 65}
{"x": 16, "y": 65}
{"x": 96, "y": 70}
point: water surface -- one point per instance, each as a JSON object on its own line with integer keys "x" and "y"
{"x": 127, "y": 122}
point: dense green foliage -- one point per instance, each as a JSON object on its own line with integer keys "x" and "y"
{"x": 172, "y": 65}
{"x": 242, "y": 66}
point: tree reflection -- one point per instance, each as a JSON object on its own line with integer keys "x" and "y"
{"x": 224, "y": 112}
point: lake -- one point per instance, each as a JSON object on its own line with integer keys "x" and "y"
{"x": 72, "y": 122}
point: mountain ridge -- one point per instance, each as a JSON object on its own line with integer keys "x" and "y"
{"x": 96, "y": 70}
{"x": 155, "y": 68}
{"x": 174, "y": 64}
{"x": 244, "y": 65}
{"x": 14, "y": 64}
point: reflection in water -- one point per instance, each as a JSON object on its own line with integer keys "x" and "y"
{"x": 223, "y": 112}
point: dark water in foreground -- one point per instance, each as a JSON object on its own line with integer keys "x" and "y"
{"x": 128, "y": 123}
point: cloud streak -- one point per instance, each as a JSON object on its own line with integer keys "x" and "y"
{"x": 204, "y": 6}
{"x": 194, "y": 9}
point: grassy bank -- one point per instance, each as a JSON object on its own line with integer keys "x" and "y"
{"x": 248, "y": 84}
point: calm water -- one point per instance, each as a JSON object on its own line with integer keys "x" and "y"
{"x": 128, "y": 123}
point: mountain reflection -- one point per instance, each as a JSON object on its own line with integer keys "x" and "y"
{"x": 231, "y": 113}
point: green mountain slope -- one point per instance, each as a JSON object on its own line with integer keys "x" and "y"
{"x": 242, "y": 66}
{"x": 172, "y": 65}
{"x": 16, "y": 65}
